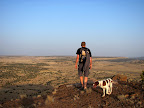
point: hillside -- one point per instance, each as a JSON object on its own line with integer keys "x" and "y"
{"x": 124, "y": 95}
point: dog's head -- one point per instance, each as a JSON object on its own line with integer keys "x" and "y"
{"x": 95, "y": 84}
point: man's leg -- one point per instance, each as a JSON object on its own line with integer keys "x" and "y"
{"x": 80, "y": 73}
{"x": 81, "y": 80}
{"x": 86, "y": 73}
{"x": 85, "y": 82}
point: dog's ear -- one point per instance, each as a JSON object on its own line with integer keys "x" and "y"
{"x": 96, "y": 83}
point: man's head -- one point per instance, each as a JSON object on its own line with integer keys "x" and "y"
{"x": 83, "y": 44}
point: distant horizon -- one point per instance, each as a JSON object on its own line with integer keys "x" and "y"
{"x": 69, "y": 56}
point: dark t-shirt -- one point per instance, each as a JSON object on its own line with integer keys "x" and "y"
{"x": 78, "y": 51}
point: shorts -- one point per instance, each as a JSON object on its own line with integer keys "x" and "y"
{"x": 80, "y": 70}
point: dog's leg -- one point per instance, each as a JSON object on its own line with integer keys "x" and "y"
{"x": 111, "y": 88}
{"x": 107, "y": 90}
{"x": 103, "y": 92}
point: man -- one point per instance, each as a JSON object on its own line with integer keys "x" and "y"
{"x": 85, "y": 63}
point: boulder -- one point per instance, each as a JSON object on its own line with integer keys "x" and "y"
{"x": 120, "y": 77}
{"x": 54, "y": 92}
{"x": 88, "y": 90}
{"x": 23, "y": 96}
{"x": 81, "y": 92}
{"x": 121, "y": 97}
{"x": 76, "y": 97}
{"x": 49, "y": 99}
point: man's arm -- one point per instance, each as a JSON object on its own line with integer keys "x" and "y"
{"x": 90, "y": 62}
{"x": 77, "y": 59}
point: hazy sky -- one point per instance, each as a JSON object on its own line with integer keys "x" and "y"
{"x": 57, "y": 27}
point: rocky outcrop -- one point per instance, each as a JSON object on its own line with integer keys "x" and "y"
{"x": 120, "y": 77}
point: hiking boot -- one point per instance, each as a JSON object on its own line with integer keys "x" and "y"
{"x": 82, "y": 88}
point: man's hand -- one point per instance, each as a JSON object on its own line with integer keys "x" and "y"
{"x": 77, "y": 59}
{"x": 76, "y": 66}
{"x": 90, "y": 62}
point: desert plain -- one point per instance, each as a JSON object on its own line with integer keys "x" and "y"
{"x": 33, "y": 76}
